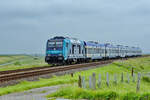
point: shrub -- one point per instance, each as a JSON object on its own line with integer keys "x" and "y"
{"x": 141, "y": 67}
{"x": 131, "y": 96}
{"x": 17, "y": 63}
{"x": 145, "y": 96}
{"x": 146, "y": 78}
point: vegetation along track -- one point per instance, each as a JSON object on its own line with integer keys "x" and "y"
{"x": 24, "y": 73}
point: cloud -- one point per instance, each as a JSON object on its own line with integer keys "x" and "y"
{"x": 29, "y": 23}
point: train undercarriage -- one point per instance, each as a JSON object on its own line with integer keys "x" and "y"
{"x": 60, "y": 60}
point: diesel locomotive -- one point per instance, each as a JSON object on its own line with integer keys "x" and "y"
{"x": 61, "y": 50}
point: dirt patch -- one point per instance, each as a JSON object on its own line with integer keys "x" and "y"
{"x": 33, "y": 94}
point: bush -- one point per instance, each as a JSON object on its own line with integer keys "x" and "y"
{"x": 145, "y": 96}
{"x": 141, "y": 67}
{"x": 17, "y": 63}
{"x": 146, "y": 78}
{"x": 135, "y": 96}
{"x": 131, "y": 96}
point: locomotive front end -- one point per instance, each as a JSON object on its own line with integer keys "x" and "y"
{"x": 54, "y": 51}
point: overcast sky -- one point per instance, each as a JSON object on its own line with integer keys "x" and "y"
{"x": 25, "y": 25}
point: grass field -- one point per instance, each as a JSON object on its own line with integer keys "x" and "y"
{"x": 10, "y": 58}
{"x": 21, "y": 61}
{"x": 121, "y": 91}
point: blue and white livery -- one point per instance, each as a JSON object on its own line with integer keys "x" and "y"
{"x": 67, "y": 50}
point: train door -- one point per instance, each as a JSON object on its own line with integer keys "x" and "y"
{"x": 67, "y": 49}
{"x": 79, "y": 50}
{"x": 73, "y": 50}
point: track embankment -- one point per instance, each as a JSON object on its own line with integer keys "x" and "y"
{"x": 6, "y": 76}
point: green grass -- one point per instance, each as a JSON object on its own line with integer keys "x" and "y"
{"x": 121, "y": 90}
{"x": 10, "y": 58}
{"x": 99, "y": 94}
{"x": 139, "y": 64}
{"x": 21, "y": 62}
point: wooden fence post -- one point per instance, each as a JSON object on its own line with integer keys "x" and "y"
{"x": 94, "y": 81}
{"x": 115, "y": 78}
{"x": 71, "y": 74}
{"x": 79, "y": 82}
{"x": 99, "y": 81}
{"x": 122, "y": 77}
{"x": 138, "y": 82}
{"x": 90, "y": 82}
{"x": 107, "y": 82}
{"x": 83, "y": 82}
{"x": 132, "y": 71}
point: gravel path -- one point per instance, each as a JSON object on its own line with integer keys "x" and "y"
{"x": 33, "y": 94}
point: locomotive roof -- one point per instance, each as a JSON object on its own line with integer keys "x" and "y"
{"x": 94, "y": 44}
{"x": 61, "y": 37}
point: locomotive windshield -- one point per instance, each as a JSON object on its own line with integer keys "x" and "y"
{"x": 59, "y": 44}
{"x": 51, "y": 44}
{"x": 55, "y": 44}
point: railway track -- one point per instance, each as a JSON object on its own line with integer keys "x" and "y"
{"x": 6, "y": 76}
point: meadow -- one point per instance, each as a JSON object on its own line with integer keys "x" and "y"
{"x": 21, "y": 62}
{"x": 119, "y": 91}
{"x": 10, "y": 58}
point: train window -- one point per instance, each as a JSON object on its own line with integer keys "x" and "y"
{"x": 79, "y": 49}
{"x": 97, "y": 50}
{"x": 88, "y": 50}
{"x": 100, "y": 50}
{"x": 92, "y": 51}
{"x": 51, "y": 44}
{"x": 59, "y": 44}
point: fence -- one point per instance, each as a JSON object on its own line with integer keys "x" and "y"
{"x": 82, "y": 83}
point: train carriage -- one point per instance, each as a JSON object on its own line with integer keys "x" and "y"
{"x": 111, "y": 51}
{"x": 94, "y": 50}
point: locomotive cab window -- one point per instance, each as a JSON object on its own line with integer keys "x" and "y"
{"x": 51, "y": 44}
{"x": 59, "y": 44}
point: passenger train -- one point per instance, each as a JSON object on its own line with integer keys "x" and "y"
{"x": 65, "y": 50}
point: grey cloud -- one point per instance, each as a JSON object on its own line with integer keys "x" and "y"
{"x": 29, "y": 23}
